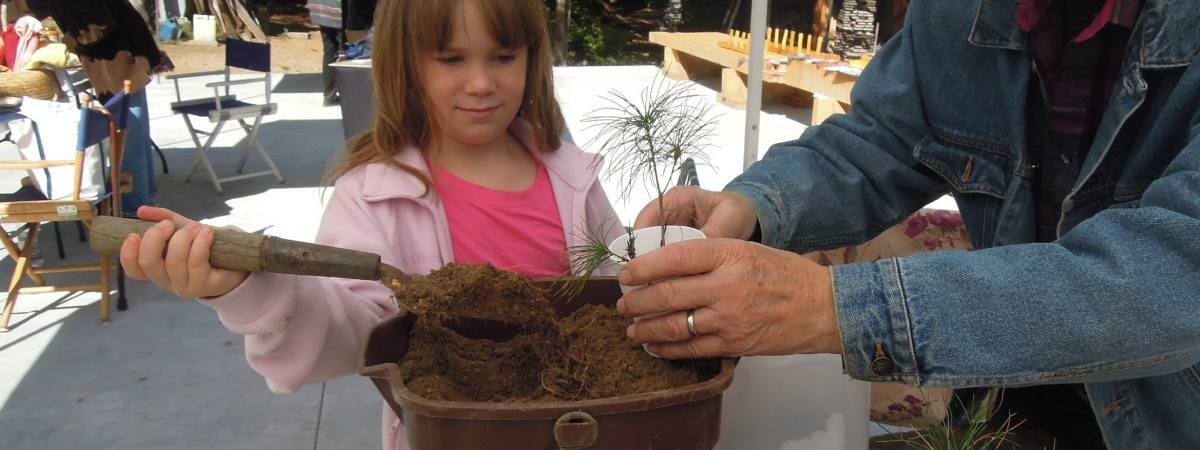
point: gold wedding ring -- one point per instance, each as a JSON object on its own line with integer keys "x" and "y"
{"x": 691, "y": 322}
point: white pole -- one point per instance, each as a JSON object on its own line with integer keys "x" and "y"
{"x": 758, "y": 35}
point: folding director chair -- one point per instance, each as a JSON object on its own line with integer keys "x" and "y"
{"x": 219, "y": 109}
{"x": 75, "y": 84}
{"x": 30, "y": 207}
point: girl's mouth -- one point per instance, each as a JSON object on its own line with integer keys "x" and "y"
{"x": 479, "y": 112}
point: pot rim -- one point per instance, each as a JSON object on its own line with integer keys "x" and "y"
{"x": 476, "y": 410}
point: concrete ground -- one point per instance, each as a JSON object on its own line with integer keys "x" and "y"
{"x": 165, "y": 373}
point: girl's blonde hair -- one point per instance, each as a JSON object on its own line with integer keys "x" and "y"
{"x": 404, "y": 30}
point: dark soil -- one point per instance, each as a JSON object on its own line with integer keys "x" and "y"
{"x": 580, "y": 357}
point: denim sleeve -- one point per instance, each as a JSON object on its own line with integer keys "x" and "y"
{"x": 1117, "y": 297}
{"x": 853, "y": 176}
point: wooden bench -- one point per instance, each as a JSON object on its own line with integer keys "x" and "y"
{"x": 687, "y": 56}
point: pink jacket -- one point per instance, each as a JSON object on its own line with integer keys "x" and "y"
{"x": 302, "y": 330}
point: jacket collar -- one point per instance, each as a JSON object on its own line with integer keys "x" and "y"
{"x": 1166, "y": 31}
{"x": 575, "y": 168}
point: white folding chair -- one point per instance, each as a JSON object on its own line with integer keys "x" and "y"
{"x": 219, "y": 109}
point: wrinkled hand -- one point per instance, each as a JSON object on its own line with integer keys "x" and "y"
{"x": 749, "y": 299}
{"x": 717, "y": 214}
{"x": 176, "y": 260}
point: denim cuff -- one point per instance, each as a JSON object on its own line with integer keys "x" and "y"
{"x": 872, "y": 313}
{"x": 766, "y": 204}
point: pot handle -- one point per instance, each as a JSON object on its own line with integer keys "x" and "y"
{"x": 576, "y": 430}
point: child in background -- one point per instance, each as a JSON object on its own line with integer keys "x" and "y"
{"x": 463, "y": 164}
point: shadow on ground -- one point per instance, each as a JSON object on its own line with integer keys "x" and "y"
{"x": 302, "y": 160}
{"x": 299, "y": 83}
{"x": 163, "y": 374}
{"x": 141, "y": 379}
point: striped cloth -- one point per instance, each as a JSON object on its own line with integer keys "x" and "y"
{"x": 326, "y": 13}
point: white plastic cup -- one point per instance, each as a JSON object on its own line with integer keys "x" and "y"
{"x": 647, "y": 240}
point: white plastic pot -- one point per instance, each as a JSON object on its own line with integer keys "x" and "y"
{"x": 645, "y": 241}
{"x": 649, "y": 239}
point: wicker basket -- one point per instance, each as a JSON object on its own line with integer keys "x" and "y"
{"x": 39, "y": 84}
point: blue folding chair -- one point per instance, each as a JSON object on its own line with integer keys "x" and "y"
{"x": 29, "y": 206}
{"x": 251, "y": 56}
{"x": 76, "y": 85}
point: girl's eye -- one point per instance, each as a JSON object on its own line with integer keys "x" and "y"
{"x": 506, "y": 58}
{"x": 450, "y": 59}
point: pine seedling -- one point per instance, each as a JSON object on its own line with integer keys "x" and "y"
{"x": 645, "y": 140}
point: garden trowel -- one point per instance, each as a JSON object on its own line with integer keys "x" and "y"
{"x": 237, "y": 250}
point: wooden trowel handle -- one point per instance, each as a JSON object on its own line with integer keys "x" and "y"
{"x": 236, "y": 250}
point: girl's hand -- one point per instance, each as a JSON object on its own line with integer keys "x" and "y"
{"x": 176, "y": 260}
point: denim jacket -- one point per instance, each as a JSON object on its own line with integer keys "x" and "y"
{"x": 1113, "y": 303}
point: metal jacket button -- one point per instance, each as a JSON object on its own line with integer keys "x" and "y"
{"x": 882, "y": 365}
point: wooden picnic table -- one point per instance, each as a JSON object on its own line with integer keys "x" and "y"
{"x": 691, "y": 55}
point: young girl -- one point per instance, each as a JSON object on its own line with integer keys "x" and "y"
{"x": 463, "y": 87}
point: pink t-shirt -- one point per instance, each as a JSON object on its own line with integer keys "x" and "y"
{"x": 519, "y": 231}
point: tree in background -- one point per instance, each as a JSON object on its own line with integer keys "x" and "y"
{"x": 562, "y": 22}
{"x": 673, "y": 15}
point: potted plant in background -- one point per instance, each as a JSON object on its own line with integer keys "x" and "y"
{"x": 646, "y": 140}
{"x": 980, "y": 428}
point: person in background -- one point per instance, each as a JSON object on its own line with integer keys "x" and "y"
{"x": 115, "y": 44}
{"x": 1068, "y": 132}
{"x": 327, "y": 15}
{"x": 360, "y": 15}
{"x": 463, "y": 164}
{"x": 342, "y": 22}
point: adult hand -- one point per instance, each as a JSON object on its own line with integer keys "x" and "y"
{"x": 176, "y": 260}
{"x": 717, "y": 214}
{"x": 747, "y": 299}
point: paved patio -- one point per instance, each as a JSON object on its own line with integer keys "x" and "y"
{"x": 165, "y": 373}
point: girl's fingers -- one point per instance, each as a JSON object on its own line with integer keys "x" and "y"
{"x": 200, "y": 272}
{"x": 129, "y": 257}
{"x": 156, "y": 214}
{"x": 150, "y": 256}
{"x": 209, "y": 281}
{"x": 176, "y": 260}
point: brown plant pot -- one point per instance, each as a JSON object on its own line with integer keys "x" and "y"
{"x": 682, "y": 418}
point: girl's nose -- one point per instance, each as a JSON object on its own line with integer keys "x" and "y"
{"x": 481, "y": 80}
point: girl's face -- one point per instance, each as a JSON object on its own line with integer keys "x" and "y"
{"x": 475, "y": 85}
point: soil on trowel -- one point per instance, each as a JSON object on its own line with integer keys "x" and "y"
{"x": 459, "y": 290}
{"x": 580, "y": 357}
